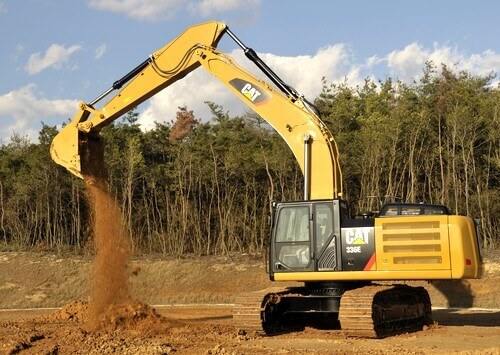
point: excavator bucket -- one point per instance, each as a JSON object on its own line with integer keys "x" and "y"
{"x": 79, "y": 152}
{"x": 64, "y": 149}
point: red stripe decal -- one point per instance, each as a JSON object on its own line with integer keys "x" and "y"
{"x": 370, "y": 263}
{"x": 261, "y": 103}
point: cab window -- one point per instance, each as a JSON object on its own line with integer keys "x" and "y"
{"x": 293, "y": 248}
{"x": 323, "y": 224}
{"x": 293, "y": 225}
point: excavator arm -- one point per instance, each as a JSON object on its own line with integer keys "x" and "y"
{"x": 78, "y": 146}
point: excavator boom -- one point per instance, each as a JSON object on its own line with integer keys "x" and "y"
{"x": 79, "y": 149}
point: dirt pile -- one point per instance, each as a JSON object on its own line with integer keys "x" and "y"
{"x": 128, "y": 328}
{"x": 132, "y": 316}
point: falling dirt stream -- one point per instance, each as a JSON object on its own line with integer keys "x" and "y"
{"x": 110, "y": 279}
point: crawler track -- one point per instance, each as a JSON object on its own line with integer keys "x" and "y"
{"x": 373, "y": 311}
{"x": 381, "y": 311}
{"x": 248, "y": 310}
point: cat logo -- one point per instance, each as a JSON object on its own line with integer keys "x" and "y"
{"x": 357, "y": 236}
{"x": 252, "y": 92}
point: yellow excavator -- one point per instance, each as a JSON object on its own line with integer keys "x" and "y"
{"x": 313, "y": 241}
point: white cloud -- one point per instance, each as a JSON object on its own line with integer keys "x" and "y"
{"x": 409, "y": 62}
{"x": 54, "y": 58}
{"x": 151, "y": 10}
{"x": 373, "y": 61}
{"x": 206, "y": 8}
{"x": 99, "y": 52}
{"x": 159, "y": 10}
{"x": 484, "y": 63}
{"x": 335, "y": 63}
{"x": 22, "y": 110}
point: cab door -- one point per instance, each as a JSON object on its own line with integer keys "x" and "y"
{"x": 306, "y": 236}
{"x": 292, "y": 247}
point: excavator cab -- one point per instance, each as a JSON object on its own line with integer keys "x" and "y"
{"x": 317, "y": 236}
{"x": 306, "y": 236}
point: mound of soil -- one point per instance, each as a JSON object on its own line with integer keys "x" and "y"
{"x": 126, "y": 328}
{"x": 132, "y": 316}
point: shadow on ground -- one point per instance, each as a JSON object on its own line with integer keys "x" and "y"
{"x": 458, "y": 318}
{"x": 457, "y": 292}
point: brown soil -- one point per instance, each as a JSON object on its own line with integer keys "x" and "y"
{"x": 130, "y": 316}
{"x": 208, "y": 330}
{"x": 45, "y": 280}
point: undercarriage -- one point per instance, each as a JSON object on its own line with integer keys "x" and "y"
{"x": 358, "y": 309}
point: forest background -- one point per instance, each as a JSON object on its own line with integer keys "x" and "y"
{"x": 206, "y": 187}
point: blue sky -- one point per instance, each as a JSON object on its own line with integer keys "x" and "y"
{"x": 54, "y": 53}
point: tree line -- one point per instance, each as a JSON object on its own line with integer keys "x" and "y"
{"x": 188, "y": 186}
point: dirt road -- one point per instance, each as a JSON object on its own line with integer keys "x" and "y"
{"x": 46, "y": 280}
